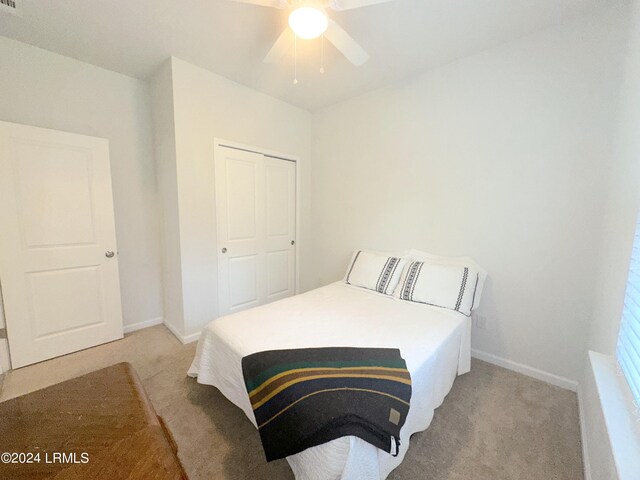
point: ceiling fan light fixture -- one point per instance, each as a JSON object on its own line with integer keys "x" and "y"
{"x": 308, "y": 22}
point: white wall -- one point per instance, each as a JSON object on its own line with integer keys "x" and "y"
{"x": 47, "y": 90}
{"x": 207, "y": 106}
{"x": 500, "y": 156}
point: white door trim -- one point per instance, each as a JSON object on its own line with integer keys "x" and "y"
{"x": 219, "y": 142}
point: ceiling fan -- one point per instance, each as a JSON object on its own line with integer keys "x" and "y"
{"x": 308, "y": 19}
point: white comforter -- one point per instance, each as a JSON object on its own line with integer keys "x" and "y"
{"x": 434, "y": 342}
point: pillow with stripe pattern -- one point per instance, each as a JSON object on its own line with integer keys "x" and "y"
{"x": 446, "y": 286}
{"x": 419, "y": 255}
{"x": 375, "y": 272}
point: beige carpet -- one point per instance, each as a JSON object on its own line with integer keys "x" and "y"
{"x": 495, "y": 424}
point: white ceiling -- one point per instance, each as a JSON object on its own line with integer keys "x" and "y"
{"x": 403, "y": 37}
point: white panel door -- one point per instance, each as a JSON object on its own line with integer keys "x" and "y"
{"x": 255, "y": 209}
{"x": 280, "y": 205}
{"x": 58, "y": 262}
{"x": 240, "y": 213}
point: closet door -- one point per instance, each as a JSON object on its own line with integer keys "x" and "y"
{"x": 255, "y": 209}
{"x": 240, "y": 213}
{"x": 280, "y": 204}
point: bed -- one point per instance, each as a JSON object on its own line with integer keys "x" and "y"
{"x": 435, "y": 343}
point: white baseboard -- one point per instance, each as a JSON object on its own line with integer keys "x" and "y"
{"x": 183, "y": 338}
{"x": 173, "y": 330}
{"x": 556, "y": 380}
{"x": 583, "y": 436}
{"x": 140, "y": 325}
{"x": 194, "y": 337}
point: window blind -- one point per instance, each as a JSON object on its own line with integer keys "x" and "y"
{"x": 628, "y": 350}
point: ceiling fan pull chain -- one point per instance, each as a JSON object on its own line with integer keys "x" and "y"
{"x": 322, "y": 54}
{"x": 295, "y": 59}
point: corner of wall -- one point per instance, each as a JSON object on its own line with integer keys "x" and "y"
{"x": 165, "y": 155}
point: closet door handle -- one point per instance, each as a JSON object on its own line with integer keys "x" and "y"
{"x": 224, "y": 250}
{"x": 293, "y": 242}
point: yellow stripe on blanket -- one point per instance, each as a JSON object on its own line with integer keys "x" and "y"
{"x": 284, "y": 386}
{"x": 315, "y": 369}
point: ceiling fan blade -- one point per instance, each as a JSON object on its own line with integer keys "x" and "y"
{"x": 347, "y": 45}
{"x": 265, "y": 3}
{"x": 281, "y": 47}
{"x": 351, "y": 4}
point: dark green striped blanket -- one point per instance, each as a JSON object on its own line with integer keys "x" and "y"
{"x": 305, "y": 397}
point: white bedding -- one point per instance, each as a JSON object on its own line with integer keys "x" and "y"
{"x": 434, "y": 342}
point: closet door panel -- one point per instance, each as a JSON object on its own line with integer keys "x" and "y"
{"x": 240, "y": 212}
{"x": 278, "y": 276}
{"x": 242, "y": 223}
{"x": 243, "y": 285}
{"x": 280, "y": 188}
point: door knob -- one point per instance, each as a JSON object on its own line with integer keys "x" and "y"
{"x": 109, "y": 254}
{"x": 293, "y": 242}
{"x": 224, "y": 250}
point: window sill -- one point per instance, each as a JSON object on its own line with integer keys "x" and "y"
{"x": 623, "y": 426}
